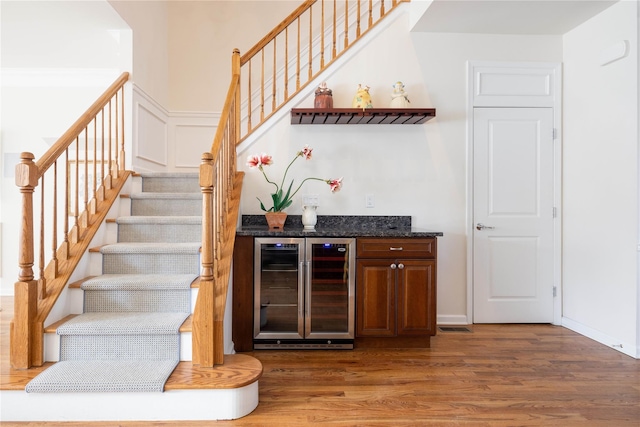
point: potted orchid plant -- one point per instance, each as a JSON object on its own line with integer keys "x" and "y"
{"x": 280, "y": 198}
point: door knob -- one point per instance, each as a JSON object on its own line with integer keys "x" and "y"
{"x": 480, "y": 226}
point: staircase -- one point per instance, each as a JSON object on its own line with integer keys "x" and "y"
{"x": 135, "y": 328}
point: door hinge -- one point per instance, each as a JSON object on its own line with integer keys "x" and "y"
{"x": 555, "y": 291}
{"x": 554, "y": 133}
{"x": 555, "y": 212}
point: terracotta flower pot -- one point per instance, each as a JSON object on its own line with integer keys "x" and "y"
{"x": 276, "y": 220}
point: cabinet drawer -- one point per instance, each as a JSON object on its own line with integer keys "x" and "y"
{"x": 396, "y": 248}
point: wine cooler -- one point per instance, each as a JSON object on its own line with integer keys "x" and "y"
{"x": 304, "y": 293}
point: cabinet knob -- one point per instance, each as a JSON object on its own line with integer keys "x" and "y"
{"x": 400, "y": 266}
{"x": 393, "y": 266}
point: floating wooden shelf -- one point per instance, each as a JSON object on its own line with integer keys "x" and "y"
{"x": 352, "y": 116}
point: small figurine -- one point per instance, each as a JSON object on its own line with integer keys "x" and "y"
{"x": 362, "y": 98}
{"x": 399, "y": 98}
{"x": 324, "y": 97}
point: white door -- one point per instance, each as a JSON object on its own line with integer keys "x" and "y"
{"x": 513, "y": 215}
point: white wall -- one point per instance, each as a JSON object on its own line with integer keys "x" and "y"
{"x": 411, "y": 170}
{"x": 600, "y": 258}
{"x": 57, "y": 58}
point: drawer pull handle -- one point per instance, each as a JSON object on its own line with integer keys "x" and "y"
{"x": 396, "y": 249}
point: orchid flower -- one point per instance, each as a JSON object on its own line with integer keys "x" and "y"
{"x": 280, "y": 199}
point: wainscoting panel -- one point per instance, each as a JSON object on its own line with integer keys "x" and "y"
{"x": 169, "y": 141}
{"x": 150, "y": 130}
{"x": 191, "y": 135}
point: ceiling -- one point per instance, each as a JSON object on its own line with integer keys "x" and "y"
{"x": 508, "y": 16}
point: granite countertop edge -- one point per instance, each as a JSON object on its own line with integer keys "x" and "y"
{"x": 337, "y": 226}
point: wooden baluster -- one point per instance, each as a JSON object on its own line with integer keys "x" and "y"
{"x": 262, "y": 86}
{"x": 298, "y": 59}
{"x": 249, "y": 97}
{"x": 41, "y": 279}
{"x": 86, "y": 177}
{"x": 358, "y": 21}
{"x": 310, "y": 44}
{"x": 122, "y": 138}
{"x": 335, "y": 37}
{"x": 370, "y": 13}
{"x": 75, "y": 231}
{"x": 116, "y": 171}
{"x": 286, "y": 64}
{"x": 25, "y": 290}
{"x": 54, "y": 241}
{"x": 64, "y": 252}
{"x": 322, "y": 36}
{"x": 110, "y": 143}
{"x": 235, "y": 71}
{"x": 95, "y": 168}
{"x": 102, "y": 156}
{"x": 381, "y": 8}
{"x": 273, "y": 81}
{"x": 346, "y": 24}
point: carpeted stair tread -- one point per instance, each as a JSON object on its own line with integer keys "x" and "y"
{"x": 139, "y": 282}
{"x": 151, "y": 248}
{"x": 166, "y": 196}
{"x": 103, "y": 376}
{"x": 176, "y": 219}
{"x": 126, "y": 323}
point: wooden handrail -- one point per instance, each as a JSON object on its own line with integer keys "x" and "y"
{"x": 66, "y": 203}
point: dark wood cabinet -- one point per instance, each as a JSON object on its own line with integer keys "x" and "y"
{"x": 242, "y": 320}
{"x": 395, "y": 291}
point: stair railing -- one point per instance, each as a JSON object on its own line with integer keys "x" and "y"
{"x": 298, "y": 49}
{"x": 75, "y": 183}
{"x": 279, "y": 79}
{"x": 220, "y": 184}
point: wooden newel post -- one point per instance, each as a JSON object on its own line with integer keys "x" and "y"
{"x": 203, "y": 318}
{"x": 25, "y": 290}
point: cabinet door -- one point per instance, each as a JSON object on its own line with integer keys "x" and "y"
{"x": 416, "y": 297}
{"x": 376, "y": 298}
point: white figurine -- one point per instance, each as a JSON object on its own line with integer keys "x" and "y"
{"x": 399, "y": 98}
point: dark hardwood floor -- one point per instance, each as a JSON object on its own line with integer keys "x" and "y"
{"x": 496, "y": 375}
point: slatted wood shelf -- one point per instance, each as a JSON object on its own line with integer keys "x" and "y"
{"x": 351, "y": 116}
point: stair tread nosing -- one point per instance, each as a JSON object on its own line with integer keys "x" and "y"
{"x": 151, "y": 248}
{"x": 171, "y": 196}
{"x": 149, "y": 219}
{"x": 139, "y": 282}
{"x": 103, "y": 376}
{"x": 125, "y": 323}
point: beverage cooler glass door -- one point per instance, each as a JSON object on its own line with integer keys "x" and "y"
{"x": 279, "y": 292}
{"x": 330, "y": 293}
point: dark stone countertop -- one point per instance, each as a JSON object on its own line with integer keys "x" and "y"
{"x": 337, "y": 226}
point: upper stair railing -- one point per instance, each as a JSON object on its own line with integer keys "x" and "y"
{"x": 296, "y": 51}
{"x": 75, "y": 182}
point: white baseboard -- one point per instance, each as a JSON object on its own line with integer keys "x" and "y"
{"x": 452, "y": 319}
{"x": 602, "y": 338}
